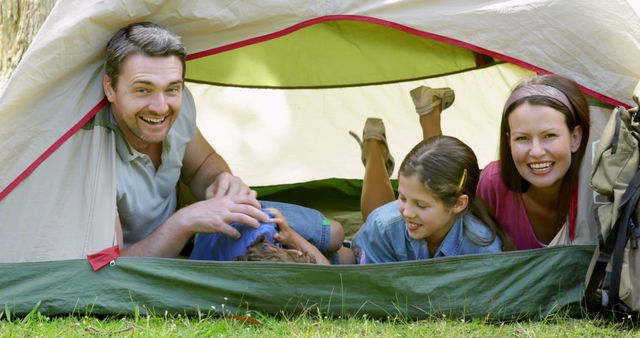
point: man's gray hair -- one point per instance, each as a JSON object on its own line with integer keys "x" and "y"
{"x": 145, "y": 38}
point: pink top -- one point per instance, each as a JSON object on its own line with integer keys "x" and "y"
{"x": 508, "y": 207}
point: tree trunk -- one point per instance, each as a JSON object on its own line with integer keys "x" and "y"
{"x": 19, "y": 22}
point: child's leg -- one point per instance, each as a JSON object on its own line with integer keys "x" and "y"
{"x": 337, "y": 253}
{"x": 430, "y": 124}
{"x": 376, "y": 187}
{"x": 336, "y": 237}
{"x": 345, "y": 256}
{"x": 429, "y": 103}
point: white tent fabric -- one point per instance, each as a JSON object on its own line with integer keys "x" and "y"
{"x": 297, "y": 137}
{"x": 57, "y": 192}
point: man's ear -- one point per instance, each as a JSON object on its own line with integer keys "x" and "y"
{"x": 461, "y": 204}
{"x": 109, "y": 91}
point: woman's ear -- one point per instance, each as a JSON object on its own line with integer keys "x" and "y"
{"x": 576, "y": 138}
{"x": 461, "y": 204}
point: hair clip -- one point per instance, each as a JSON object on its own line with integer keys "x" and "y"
{"x": 462, "y": 182}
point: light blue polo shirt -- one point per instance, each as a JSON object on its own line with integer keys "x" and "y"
{"x": 384, "y": 238}
{"x": 146, "y": 197}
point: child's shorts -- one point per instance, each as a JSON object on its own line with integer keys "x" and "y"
{"x": 309, "y": 223}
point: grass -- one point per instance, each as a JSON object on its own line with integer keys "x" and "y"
{"x": 307, "y": 325}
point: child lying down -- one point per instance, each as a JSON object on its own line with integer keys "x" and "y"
{"x": 275, "y": 241}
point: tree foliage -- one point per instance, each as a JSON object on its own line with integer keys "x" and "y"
{"x": 20, "y": 20}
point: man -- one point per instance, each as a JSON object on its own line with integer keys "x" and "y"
{"x": 158, "y": 143}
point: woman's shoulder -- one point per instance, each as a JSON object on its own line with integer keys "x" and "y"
{"x": 491, "y": 170}
{"x": 491, "y": 186}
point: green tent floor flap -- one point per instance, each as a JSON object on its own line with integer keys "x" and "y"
{"x": 506, "y": 286}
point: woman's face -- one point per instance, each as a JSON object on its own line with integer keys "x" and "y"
{"x": 426, "y": 216}
{"x": 542, "y": 144}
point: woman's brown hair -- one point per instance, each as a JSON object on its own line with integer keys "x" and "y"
{"x": 576, "y": 114}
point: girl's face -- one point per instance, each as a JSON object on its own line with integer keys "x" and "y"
{"x": 426, "y": 216}
{"x": 542, "y": 144}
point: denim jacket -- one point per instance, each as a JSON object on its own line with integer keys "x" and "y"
{"x": 384, "y": 238}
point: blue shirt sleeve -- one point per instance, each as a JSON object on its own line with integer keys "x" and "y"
{"x": 376, "y": 241}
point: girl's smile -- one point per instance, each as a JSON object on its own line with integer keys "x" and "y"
{"x": 426, "y": 217}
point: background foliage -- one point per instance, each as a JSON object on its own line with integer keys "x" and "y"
{"x": 20, "y": 20}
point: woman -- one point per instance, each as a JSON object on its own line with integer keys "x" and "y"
{"x": 543, "y": 136}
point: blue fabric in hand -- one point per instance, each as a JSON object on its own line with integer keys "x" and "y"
{"x": 220, "y": 247}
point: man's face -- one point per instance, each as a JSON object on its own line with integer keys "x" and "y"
{"x": 147, "y": 98}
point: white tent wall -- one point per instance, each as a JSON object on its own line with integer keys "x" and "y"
{"x": 58, "y": 83}
{"x": 45, "y": 220}
{"x": 298, "y": 135}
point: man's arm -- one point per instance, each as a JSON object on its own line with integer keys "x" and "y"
{"x": 207, "y": 174}
{"x": 208, "y": 216}
{"x": 224, "y": 199}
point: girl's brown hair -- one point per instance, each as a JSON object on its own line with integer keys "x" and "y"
{"x": 440, "y": 164}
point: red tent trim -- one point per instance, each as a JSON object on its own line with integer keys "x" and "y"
{"x": 286, "y": 31}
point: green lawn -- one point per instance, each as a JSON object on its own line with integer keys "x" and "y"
{"x": 308, "y": 325}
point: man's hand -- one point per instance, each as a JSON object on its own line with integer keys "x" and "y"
{"x": 227, "y": 184}
{"x": 207, "y": 216}
{"x": 214, "y": 214}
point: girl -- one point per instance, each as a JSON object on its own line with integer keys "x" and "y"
{"x": 543, "y": 136}
{"x": 436, "y": 213}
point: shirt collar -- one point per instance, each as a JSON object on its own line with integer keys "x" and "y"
{"x": 125, "y": 151}
{"x": 450, "y": 246}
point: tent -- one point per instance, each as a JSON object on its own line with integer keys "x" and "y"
{"x": 277, "y": 85}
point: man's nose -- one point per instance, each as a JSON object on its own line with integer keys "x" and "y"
{"x": 159, "y": 103}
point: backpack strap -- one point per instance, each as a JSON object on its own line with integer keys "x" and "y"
{"x": 604, "y": 249}
{"x": 598, "y": 268}
{"x": 612, "y": 250}
{"x": 627, "y": 231}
